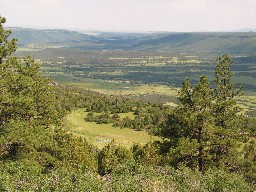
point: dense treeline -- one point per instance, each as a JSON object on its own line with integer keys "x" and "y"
{"x": 204, "y": 146}
{"x": 146, "y": 116}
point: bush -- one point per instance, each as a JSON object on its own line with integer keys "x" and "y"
{"x": 135, "y": 177}
{"x": 112, "y": 155}
{"x": 24, "y": 176}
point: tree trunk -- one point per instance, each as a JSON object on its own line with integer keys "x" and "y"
{"x": 200, "y": 151}
{"x": 200, "y": 159}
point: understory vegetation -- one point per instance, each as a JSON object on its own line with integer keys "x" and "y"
{"x": 206, "y": 143}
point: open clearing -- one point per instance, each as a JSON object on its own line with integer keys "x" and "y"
{"x": 101, "y": 134}
{"x": 112, "y": 87}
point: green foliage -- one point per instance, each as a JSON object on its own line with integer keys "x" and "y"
{"x": 6, "y": 47}
{"x": 112, "y": 155}
{"x": 147, "y": 116}
{"x": 112, "y": 105}
{"x": 27, "y": 176}
{"x": 134, "y": 177}
{"x": 225, "y": 90}
{"x": 30, "y": 115}
{"x": 189, "y": 127}
{"x": 48, "y": 147}
{"x": 249, "y": 163}
{"x": 24, "y": 176}
{"x": 228, "y": 129}
{"x": 217, "y": 180}
{"x": 147, "y": 155}
{"x": 24, "y": 94}
{"x": 103, "y": 118}
{"x": 203, "y": 129}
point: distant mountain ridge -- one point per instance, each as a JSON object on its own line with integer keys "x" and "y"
{"x": 219, "y": 42}
{"x": 27, "y": 36}
{"x": 203, "y": 42}
{"x": 245, "y": 30}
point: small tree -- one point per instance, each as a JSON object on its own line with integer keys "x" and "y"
{"x": 112, "y": 155}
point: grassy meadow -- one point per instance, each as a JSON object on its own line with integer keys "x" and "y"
{"x": 111, "y": 87}
{"x": 101, "y": 134}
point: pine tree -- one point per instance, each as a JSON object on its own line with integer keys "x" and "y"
{"x": 224, "y": 93}
{"x": 24, "y": 94}
{"x": 27, "y": 101}
{"x": 204, "y": 129}
{"x": 6, "y": 47}
{"x": 189, "y": 127}
{"x": 225, "y": 112}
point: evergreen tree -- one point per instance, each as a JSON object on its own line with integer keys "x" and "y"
{"x": 203, "y": 129}
{"x": 29, "y": 116}
{"x": 225, "y": 112}
{"x": 24, "y": 94}
{"x": 189, "y": 127}
{"x": 6, "y": 47}
{"x": 225, "y": 90}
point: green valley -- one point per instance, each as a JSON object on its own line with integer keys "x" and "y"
{"x": 127, "y": 111}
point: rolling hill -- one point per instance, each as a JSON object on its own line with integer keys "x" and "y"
{"x": 219, "y": 42}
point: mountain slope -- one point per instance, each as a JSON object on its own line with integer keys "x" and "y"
{"x": 202, "y": 42}
{"x": 39, "y": 36}
{"x": 221, "y": 42}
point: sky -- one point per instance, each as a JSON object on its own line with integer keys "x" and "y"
{"x": 131, "y": 15}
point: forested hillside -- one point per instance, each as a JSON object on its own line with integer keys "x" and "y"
{"x": 206, "y": 144}
{"x": 209, "y": 43}
{"x": 40, "y": 36}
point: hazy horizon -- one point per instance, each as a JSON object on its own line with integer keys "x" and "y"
{"x": 116, "y": 31}
{"x": 132, "y": 15}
